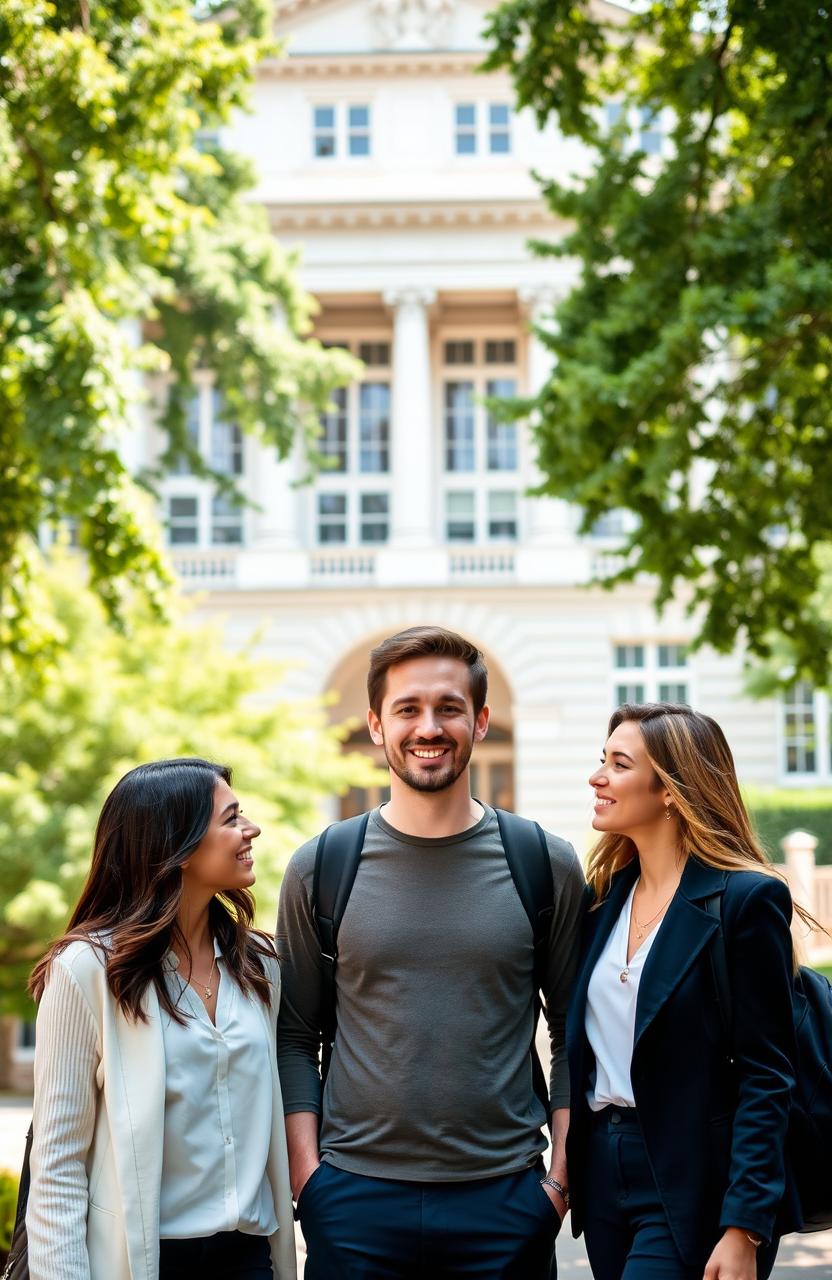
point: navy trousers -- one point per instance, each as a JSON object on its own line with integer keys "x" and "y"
{"x": 626, "y": 1230}
{"x": 359, "y": 1228}
{"x": 229, "y": 1255}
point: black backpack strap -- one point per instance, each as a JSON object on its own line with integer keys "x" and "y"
{"x": 336, "y": 863}
{"x": 719, "y": 968}
{"x": 527, "y": 855}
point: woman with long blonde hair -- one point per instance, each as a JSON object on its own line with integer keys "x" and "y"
{"x": 676, "y": 1147}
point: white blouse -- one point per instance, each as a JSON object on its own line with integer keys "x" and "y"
{"x": 218, "y": 1113}
{"x": 611, "y": 1013}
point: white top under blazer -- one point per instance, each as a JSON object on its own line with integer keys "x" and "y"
{"x": 611, "y": 1013}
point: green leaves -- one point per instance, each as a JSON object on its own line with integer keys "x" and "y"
{"x": 111, "y": 215}
{"x": 70, "y": 728}
{"x": 692, "y": 358}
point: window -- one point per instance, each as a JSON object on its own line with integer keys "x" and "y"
{"x": 614, "y": 112}
{"x": 477, "y": 443}
{"x": 375, "y": 354}
{"x": 460, "y": 525}
{"x": 226, "y": 521}
{"x": 502, "y": 514}
{"x": 332, "y": 517}
{"x": 502, "y": 436}
{"x": 654, "y": 673}
{"x": 629, "y": 655}
{"x": 183, "y": 521}
{"x": 459, "y": 426}
{"x": 673, "y": 693}
{"x": 500, "y": 351}
{"x": 374, "y": 426}
{"x": 335, "y": 426}
{"x": 632, "y": 693}
{"x": 358, "y": 131}
{"x": 637, "y": 126}
{"x": 483, "y": 127}
{"x": 375, "y": 511}
{"x": 198, "y": 512}
{"x": 466, "y": 128}
{"x": 323, "y": 132}
{"x": 356, "y": 436}
{"x": 672, "y": 655}
{"x": 800, "y": 729}
{"x": 226, "y": 441}
{"x": 341, "y": 129}
{"x": 612, "y": 524}
{"x": 499, "y": 137}
{"x": 350, "y": 518}
{"x": 459, "y": 353}
{"x": 650, "y": 136}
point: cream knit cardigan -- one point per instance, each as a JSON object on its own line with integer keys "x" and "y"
{"x": 96, "y": 1160}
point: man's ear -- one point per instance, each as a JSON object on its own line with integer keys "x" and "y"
{"x": 374, "y": 725}
{"x": 481, "y": 724}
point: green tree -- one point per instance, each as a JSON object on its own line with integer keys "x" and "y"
{"x": 109, "y": 703}
{"x": 116, "y": 208}
{"x": 693, "y": 373}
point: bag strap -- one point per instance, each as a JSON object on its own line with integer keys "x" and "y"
{"x": 336, "y": 864}
{"x": 527, "y": 855}
{"x": 719, "y": 967}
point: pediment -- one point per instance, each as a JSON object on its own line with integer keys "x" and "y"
{"x": 350, "y": 27}
{"x": 327, "y": 27}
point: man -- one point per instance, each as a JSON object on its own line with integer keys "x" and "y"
{"x": 424, "y": 1157}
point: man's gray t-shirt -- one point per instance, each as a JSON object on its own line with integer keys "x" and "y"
{"x": 431, "y": 1075}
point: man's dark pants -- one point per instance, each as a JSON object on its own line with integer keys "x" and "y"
{"x": 360, "y": 1228}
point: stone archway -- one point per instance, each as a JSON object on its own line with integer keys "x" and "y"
{"x": 492, "y": 764}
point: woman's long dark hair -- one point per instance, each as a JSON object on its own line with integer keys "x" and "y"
{"x": 150, "y": 824}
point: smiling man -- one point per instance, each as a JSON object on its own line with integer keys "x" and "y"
{"x": 421, "y": 1157}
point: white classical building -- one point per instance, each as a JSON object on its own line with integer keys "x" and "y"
{"x": 402, "y": 173}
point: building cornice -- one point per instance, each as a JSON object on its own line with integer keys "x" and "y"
{"x": 418, "y": 215}
{"x": 382, "y": 64}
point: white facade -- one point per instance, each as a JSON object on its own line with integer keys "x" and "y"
{"x": 403, "y": 175}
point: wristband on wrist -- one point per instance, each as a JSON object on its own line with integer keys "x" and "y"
{"x": 562, "y": 1191}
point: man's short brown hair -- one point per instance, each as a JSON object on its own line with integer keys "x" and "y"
{"x": 425, "y": 642}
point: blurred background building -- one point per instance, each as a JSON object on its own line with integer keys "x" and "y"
{"x": 403, "y": 174}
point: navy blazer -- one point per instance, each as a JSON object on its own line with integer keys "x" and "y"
{"x": 714, "y": 1122}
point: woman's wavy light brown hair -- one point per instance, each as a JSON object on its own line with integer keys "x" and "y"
{"x": 151, "y": 822}
{"x": 692, "y": 760}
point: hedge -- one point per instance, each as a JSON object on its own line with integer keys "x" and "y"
{"x": 777, "y": 812}
{"x": 8, "y": 1208}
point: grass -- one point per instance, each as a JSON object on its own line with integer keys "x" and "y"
{"x": 825, "y": 969}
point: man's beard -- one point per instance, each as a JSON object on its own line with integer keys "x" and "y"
{"x": 434, "y": 779}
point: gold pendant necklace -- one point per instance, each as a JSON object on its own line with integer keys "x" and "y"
{"x": 641, "y": 929}
{"x": 206, "y": 986}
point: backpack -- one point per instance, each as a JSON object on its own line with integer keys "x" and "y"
{"x": 336, "y": 863}
{"x": 809, "y": 1140}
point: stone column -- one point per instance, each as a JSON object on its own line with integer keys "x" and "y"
{"x": 412, "y": 432}
{"x": 551, "y": 520}
{"x": 275, "y": 525}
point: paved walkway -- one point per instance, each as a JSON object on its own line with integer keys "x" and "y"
{"x": 801, "y": 1257}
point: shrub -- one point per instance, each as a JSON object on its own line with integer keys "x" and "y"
{"x": 777, "y": 812}
{"x": 8, "y": 1207}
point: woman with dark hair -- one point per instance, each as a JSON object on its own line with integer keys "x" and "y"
{"x": 678, "y": 1117}
{"x": 159, "y": 1149}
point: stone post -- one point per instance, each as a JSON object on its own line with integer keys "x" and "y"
{"x": 799, "y": 848}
